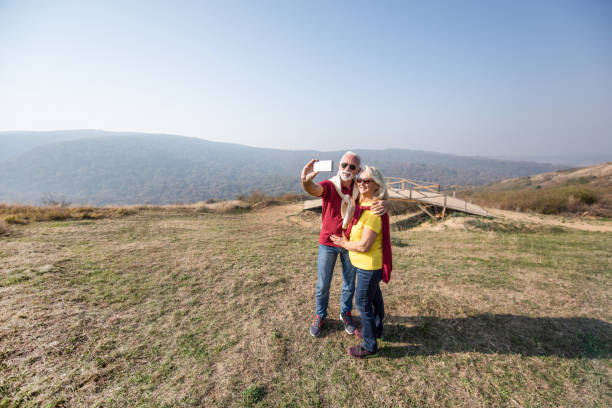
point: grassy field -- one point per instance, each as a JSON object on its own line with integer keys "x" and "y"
{"x": 181, "y": 308}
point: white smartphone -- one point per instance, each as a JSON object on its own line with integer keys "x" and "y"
{"x": 323, "y": 165}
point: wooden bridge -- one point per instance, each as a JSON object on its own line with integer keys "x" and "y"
{"x": 427, "y": 196}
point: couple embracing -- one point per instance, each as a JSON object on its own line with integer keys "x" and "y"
{"x": 355, "y": 226}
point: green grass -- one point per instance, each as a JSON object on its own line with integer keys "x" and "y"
{"x": 252, "y": 395}
{"x": 180, "y": 308}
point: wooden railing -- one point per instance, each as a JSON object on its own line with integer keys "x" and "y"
{"x": 406, "y": 184}
{"x": 424, "y": 194}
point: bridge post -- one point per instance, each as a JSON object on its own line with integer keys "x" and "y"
{"x": 444, "y": 208}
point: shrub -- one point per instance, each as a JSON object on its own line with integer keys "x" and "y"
{"x": 585, "y": 196}
{"x": 59, "y": 214}
{"x": 292, "y": 197}
{"x": 554, "y": 200}
{"x": 402, "y": 207}
{"x": 580, "y": 180}
{"x": 14, "y": 219}
{"x": 256, "y": 197}
{"x": 53, "y": 201}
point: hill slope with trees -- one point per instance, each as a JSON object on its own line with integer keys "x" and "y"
{"x": 96, "y": 167}
{"x": 585, "y": 190}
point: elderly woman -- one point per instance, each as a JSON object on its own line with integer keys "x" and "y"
{"x": 369, "y": 249}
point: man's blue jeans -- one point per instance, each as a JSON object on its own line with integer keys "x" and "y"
{"x": 325, "y": 268}
{"x": 369, "y": 302}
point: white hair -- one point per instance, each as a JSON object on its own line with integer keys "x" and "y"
{"x": 352, "y": 153}
{"x": 381, "y": 193}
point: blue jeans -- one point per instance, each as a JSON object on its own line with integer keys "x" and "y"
{"x": 325, "y": 268}
{"x": 379, "y": 311}
{"x": 369, "y": 302}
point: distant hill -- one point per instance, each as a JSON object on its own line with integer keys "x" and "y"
{"x": 97, "y": 167}
{"x": 18, "y": 142}
{"x": 573, "y": 160}
{"x": 584, "y": 190}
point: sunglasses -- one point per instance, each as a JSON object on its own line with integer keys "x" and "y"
{"x": 350, "y": 166}
{"x": 364, "y": 181}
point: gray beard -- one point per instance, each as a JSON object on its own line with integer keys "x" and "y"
{"x": 346, "y": 176}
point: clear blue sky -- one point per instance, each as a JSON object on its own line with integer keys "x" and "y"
{"x": 464, "y": 77}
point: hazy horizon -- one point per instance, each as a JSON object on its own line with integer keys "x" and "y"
{"x": 472, "y": 78}
{"x": 564, "y": 159}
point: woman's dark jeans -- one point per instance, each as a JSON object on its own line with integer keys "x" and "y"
{"x": 369, "y": 302}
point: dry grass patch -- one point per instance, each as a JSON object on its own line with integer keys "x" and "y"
{"x": 5, "y": 229}
{"x": 179, "y": 307}
{"x": 225, "y": 207}
{"x": 553, "y": 200}
{"x": 584, "y": 191}
{"x": 24, "y": 214}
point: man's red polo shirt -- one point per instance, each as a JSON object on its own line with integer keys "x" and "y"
{"x": 331, "y": 223}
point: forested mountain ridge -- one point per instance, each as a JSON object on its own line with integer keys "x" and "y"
{"x": 97, "y": 167}
{"x": 14, "y": 143}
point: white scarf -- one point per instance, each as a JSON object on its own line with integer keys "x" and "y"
{"x": 347, "y": 208}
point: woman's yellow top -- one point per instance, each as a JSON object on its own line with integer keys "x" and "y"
{"x": 371, "y": 260}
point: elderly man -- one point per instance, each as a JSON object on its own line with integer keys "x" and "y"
{"x": 339, "y": 196}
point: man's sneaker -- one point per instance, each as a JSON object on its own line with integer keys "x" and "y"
{"x": 360, "y": 352}
{"x": 347, "y": 320}
{"x": 315, "y": 327}
{"x": 358, "y": 334}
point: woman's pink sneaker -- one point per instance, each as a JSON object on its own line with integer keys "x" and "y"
{"x": 360, "y": 352}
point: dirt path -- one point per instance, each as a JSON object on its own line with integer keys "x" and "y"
{"x": 600, "y": 226}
